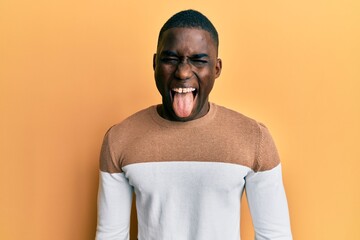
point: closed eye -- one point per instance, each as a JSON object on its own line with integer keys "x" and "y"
{"x": 170, "y": 60}
{"x": 198, "y": 62}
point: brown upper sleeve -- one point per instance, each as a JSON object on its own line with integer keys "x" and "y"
{"x": 107, "y": 163}
{"x": 267, "y": 156}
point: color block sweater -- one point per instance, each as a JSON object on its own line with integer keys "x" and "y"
{"x": 189, "y": 177}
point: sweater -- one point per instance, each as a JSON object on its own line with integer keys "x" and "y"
{"x": 189, "y": 177}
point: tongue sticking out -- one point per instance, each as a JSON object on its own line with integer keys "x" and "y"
{"x": 183, "y": 104}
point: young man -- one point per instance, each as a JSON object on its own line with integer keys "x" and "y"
{"x": 189, "y": 160}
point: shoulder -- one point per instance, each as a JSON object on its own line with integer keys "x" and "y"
{"x": 251, "y": 133}
{"x": 231, "y": 114}
{"x": 236, "y": 121}
{"x": 132, "y": 127}
{"x": 135, "y": 121}
{"x": 120, "y": 135}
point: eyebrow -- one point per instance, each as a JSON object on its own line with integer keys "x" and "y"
{"x": 169, "y": 53}
{"x": 200, "y": 55}
{"x": 173, "y": 54}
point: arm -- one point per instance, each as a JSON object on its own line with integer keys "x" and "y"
{"x": 265, "y": 193}
{"x": 114, "y": 199}
{"x": 114, "y": 207}
{"x": 268, "y": 205}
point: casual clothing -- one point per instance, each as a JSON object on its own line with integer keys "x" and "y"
{"x": 189, "y": 177}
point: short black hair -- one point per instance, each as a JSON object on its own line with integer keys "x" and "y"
{"x": 190, "y": 19}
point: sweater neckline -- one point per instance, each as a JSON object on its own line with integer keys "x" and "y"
{"x": 189, "y": 124}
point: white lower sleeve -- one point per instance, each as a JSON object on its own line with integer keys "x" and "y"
{"x": 114, "y": 207}
{"x": 268, "y": 205}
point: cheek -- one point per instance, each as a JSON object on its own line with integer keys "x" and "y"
{"x": 161, "y": 80}
{"x": 205, "y": 88}
{"x": 207, "y": 80}
{"x": 163, "y": 72}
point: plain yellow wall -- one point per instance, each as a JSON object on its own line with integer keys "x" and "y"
{"x": 71, "y": 69}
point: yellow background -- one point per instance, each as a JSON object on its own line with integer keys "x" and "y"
{"x": 71, "y": 69}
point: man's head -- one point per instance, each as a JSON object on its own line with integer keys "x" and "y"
{"x": 190, "y": 19}
{"x": 186, "y": 65}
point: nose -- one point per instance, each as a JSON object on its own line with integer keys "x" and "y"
{"x": 183, "y": 71}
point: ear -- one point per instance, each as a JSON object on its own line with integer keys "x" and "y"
{"x": 154, "y": 61}
{"x": 218, "y": 67}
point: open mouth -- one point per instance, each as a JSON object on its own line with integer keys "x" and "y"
{"x": 183, "y": 91}
{"x": 183, "y": 101}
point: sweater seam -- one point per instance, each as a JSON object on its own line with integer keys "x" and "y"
{"x": 256, "y": 165}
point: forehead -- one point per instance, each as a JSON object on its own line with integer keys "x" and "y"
{"x": 194, "y": 39}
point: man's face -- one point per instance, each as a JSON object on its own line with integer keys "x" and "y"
{"x": 186, "y": 66}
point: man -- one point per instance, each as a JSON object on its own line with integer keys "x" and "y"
{"x": 189, "y": 160}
